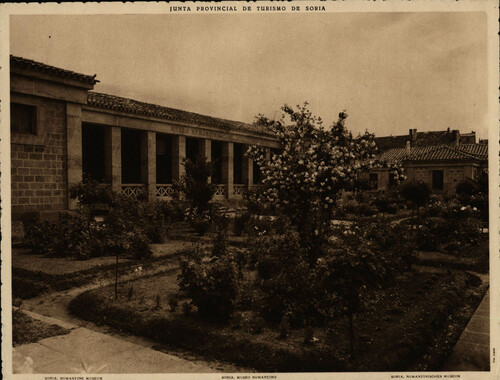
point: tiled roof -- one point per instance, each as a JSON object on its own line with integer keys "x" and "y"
{"x": 431, "y": 138}
{"x": 47, "y": 69}
{"x": 440, "y": 152}
{"x": 117, "y": 103}
{"x": 479, "y": 150}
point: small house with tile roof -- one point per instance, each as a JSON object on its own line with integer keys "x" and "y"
{"x": 442, "y": 167}
{"x": 62, "y": 131}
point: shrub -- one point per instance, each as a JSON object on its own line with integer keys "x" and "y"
{"x": 392, "y": 208}
{"x": 366, "y": 209}
{"x": 417, "y": 193}
{"x": 212, "y": 285}
{"x": 154, "y": 217}
{"x": 199, "y": 220}
{"x": 466, "y": 187}
{"x": 194, "y": 183}
{"x": 394, "y": 244}
{"x": 177, "y": 210}
{"x": 219, "y": 237}
{"x": 70, "y": 236}
{"x": 138, "y": 245}
{"x": 286, "y": 280}
{"x": 240, "y": 220}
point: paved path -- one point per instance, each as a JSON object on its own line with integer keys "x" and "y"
{"x": 88, "y": 351}
{"x": 472, "y": 351}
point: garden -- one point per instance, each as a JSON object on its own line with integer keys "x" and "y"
{"x": 314, "y": 274}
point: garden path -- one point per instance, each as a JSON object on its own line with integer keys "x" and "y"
{"x": 52, "y": 308}
{"x": 472, "y": 351}
{"x": 87, "y": 351}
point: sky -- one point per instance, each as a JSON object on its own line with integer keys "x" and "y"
{"x": 391, "y": 72}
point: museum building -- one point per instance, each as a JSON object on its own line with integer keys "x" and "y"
{"x": 62, "y": 131}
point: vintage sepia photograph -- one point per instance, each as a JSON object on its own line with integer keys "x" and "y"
{"x": 258, "y": 188}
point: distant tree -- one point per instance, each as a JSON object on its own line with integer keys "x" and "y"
{"x": 467, "y": 187}
{"x": 418, "y": 193}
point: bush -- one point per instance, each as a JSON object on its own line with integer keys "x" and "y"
{"x": 466, "y": 187}
{"x": 240, "y": 220}
{"x": 286, "y": 280}
{"x": 155, "y": 219}
{"x": 366, "y": 209}
{"x": 129, "y": 226}
{"x": 220, "y": 224}
{"x": 199, "y": 220}
{"x": 72, "y": 235}
{"x": 212, "y": 285}
{"x": 418, "y": 193}
{"x": 177, "y": 210}
{"x": 194, "y": 183}
{"x": 394, "y": 244}
{"x": 392, "y": 208}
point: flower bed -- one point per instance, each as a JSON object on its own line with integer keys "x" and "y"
{"x": 395, "y": 328}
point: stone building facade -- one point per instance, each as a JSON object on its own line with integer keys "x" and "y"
{"x": 442, "y": 167}
{"x": 62, "y": 131}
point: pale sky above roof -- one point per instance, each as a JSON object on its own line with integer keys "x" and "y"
{"x": 390, "y": 71}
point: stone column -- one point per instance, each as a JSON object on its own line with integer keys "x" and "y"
{"x": 228, "y": 167}
{"x": 74, "y": 147}
{"x": 178, "y": 155}
{"x": 247, "y": 170}
{"x": 113, "y": 157}
{"x": 205, "y": 150}
{"x": 148, "y": 162}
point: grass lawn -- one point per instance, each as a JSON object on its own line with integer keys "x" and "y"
{"x": 397, "y": 330}
{"x": 35, "y": 274}
{"x": 28, "y": 330}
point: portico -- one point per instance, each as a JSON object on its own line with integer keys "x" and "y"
{"x": 142, "y": 156}
{"x": 62, "y": 132}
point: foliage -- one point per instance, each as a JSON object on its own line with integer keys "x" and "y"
{"x": 386, "y": 201}
{"x": 466, "y": 187}
{"x": 155, "y": 219}
{"x": 194, "y": 183}
{"x": 129, "y": 227}
{"x": 199, "y": 220}
{"x": 448, "y": 222}
{"x": 316, "y": 164}
{"x": 219, "y": 237}
{"x": 266, "y": 225}
{"x": 70, "y": 236}
{"x": 418, "y": 193}
{"x": 92, "y": 192}
{"x": 286, "y": 280}
{"x": 212, "y": 285}
{"x": 240, "y": 220}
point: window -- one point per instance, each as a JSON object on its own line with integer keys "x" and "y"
{"x": 437, "y": 179}
{"x": 22, "y": 118}
{"x": 373, "y": 181}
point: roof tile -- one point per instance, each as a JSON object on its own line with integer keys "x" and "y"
{"x": 440, "y": 152}
{"x": 47, "y": 69}
{"x": 117, "y": 103}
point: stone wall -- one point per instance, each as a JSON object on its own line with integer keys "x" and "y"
{"x": 39, "y": 161}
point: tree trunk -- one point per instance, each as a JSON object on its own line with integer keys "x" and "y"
{"x": 116, "y": 278}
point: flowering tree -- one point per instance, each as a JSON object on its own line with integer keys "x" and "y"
{"x": 316, "y": 164}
